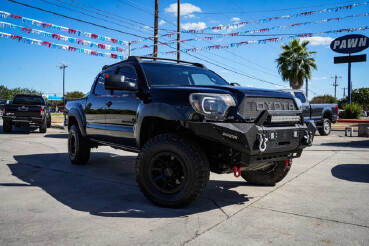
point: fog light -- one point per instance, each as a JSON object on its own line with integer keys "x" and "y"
{"x": 295, "y": 134}
{"x": 273, "y": 135}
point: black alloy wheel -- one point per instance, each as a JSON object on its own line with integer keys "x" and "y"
{"x": 167, "y": 172}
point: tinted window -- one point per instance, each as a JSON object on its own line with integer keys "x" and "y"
{"x": 300, "y": 96}
{"x": 99, "y": 87}
{"x": 29, "y": 100}
{"x": 176, "y": 75}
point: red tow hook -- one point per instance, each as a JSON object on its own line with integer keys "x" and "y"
{"x": 236, "y": 171}
{"x": 288, "y": 163}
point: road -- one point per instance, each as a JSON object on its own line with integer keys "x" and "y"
{"x": 44, "y": 200}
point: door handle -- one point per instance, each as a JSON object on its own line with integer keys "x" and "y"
{"x": 109, "y": 103}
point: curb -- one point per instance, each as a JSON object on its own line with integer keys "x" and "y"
{"x": 353, "y": 121}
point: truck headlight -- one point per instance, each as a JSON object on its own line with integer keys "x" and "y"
{"x": 298, "y": 103}
{"x": 213, "y": 106}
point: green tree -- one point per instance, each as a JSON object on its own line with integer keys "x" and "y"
{"x": 6, "y": 93}
{"x": 74, "y": 95}
{"x": 361, "y": 96}
{"x": 295, "y": 63}
{"x": 324, "y": 99}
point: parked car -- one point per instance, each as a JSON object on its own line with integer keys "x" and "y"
{"x": 185, "y": 121}
{"x": 26, "y": 110}
{"x": 2, "y": 103}
{"x": 322, "y": 114}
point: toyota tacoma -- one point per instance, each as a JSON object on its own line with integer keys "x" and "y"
{"x": 184, "y": 121}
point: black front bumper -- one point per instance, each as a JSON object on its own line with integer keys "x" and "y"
{"x": 284, "y": 142}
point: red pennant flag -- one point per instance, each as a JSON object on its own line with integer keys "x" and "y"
{"x": 71, "y": 48}
{"x": 15, "y": 16}
{"x": 114, "y": 56}
{"x": 44, "y": 24}
{"x": 114, "y": 40}
{"x": 101, "y": 46}
{"x": 16, "y": 37}
{"x": 27, "y": 29}
{"x": 94, "y": 36}
{"x": 45, "y": 43}
{"x": 57, "y": 36}
{"x": 72, "y": 31}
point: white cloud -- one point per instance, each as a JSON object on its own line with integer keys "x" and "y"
{"x": 235, "y": 19}
{"x": 193, "y": 26}
{"x": 187, "y": 9}
{"x": 318, "y": 40}
{"x": 146, "y": 27}
{"x": 319, "y": 78}
{"x": 162, "y": 22}
{"x": 282, "y": 86}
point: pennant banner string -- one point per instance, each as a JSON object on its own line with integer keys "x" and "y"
{"x": 262, "y": 41}
{"x": 61, "y": 28}
{"x": 64, "y": 38}
{"x": 235, "y": 34}
{"x": 60, "y": 46}
{"x": 243, "y": 23}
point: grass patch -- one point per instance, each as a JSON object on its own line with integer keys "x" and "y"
{"x": 56, "y": 114}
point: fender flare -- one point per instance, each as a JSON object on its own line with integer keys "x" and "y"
{"x": 327, "y": 111}
{"x": 158, "y": 110}
{"x": 79, "y": 116}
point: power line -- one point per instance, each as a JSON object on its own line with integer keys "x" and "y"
{"x": 76, "y": 19}
{"x": 83, "y": 13}
{"x": 271, "y": 10}
{"x": 91, "y": 7}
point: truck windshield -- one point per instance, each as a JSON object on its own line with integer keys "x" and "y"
{"x": 159, "y": 74}
{"x": 29, "y": 100}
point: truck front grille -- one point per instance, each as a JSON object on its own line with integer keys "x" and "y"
{"x": 251, "y": 107}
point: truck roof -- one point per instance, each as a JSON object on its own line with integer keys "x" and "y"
{"x": 140, "y": 59}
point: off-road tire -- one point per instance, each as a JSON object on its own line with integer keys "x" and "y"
{"x": 190, "y": 158}
{"x": 49, "y": 122}
{"x": 43, "y": 126}
{"x": 7, "y": 126}
{"x": 268, "y": 177}
{"x": 78, "y": 147}
{"x": 326, "y": 127}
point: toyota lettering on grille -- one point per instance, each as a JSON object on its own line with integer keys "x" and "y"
{"x": 261, "y": 105}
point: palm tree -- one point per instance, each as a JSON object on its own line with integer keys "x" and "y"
{"x": 295, "y": 63}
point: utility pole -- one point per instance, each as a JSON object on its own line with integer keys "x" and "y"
{"x": 156, "y": 28}
{"x": 63, "y": 66}
{"x": 335, "y": 85}
{"x": 179, "y": 30}
{"x": 129, "y": 48}
{"x": 307, "y": 89}
{"x": 344, "y": 92}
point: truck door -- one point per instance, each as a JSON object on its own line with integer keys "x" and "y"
{"x": 121, "y": 108}
{"x": 305, "y": 104}
{"x": 95, "y": 109}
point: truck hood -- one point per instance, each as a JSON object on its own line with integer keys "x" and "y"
{"x": 178, "y": 95}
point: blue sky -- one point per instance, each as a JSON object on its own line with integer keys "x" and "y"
{"x": 35, "y": 66}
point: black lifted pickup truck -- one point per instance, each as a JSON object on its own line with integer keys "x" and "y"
{"x": 26, "y": 110}
{"x": 185, "y": 121}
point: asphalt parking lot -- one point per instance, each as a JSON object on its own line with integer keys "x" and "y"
{"x": 44, "y": 200}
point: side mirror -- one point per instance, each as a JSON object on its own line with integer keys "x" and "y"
{"x": 235, "y": 84}
{"x": 118, "y": 82}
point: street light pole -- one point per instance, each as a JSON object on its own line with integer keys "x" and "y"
{"x": 63, "y": 66}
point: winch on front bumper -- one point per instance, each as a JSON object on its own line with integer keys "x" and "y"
{"x": 260, "y": 141}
